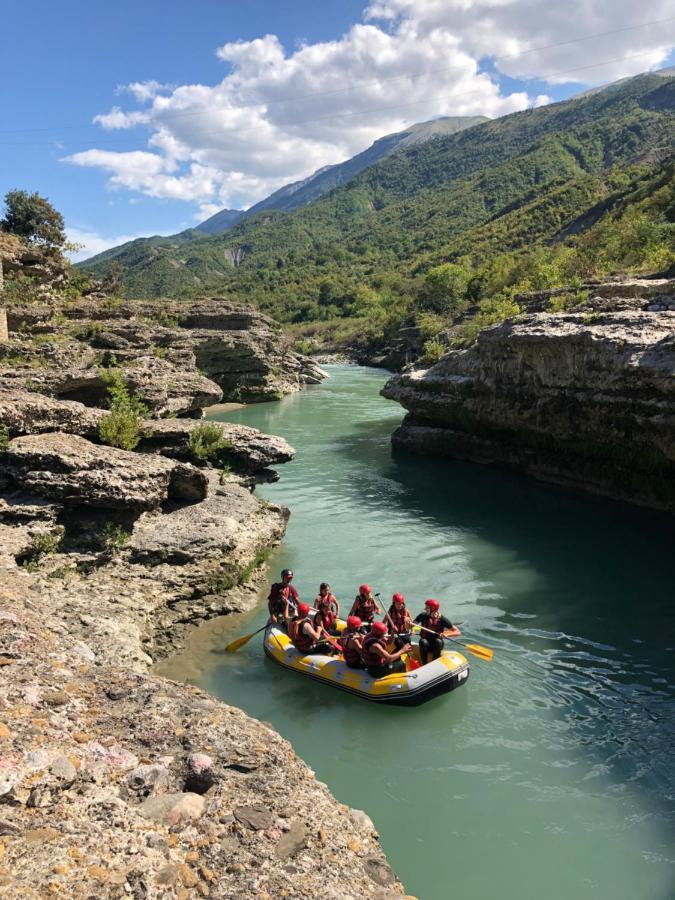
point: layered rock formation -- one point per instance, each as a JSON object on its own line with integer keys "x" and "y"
{"x": 583, "y": 397}
{"x": 180, "y": 357}
{"x": 115, "y": 783}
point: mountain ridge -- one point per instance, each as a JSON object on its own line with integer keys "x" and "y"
{"x": 299, "y": 193}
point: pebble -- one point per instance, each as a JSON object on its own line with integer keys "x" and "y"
{"x": 171, "y": 809}
{"x": 258, "y": 818}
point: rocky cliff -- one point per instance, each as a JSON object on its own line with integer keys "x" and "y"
{"x": 578, "y": 390}
{"x": 180, "y": 357}
{"x": 115, "y": 783}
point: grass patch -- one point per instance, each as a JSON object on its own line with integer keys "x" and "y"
{"x": 42, "y": 545}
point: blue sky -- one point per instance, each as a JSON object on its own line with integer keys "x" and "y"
{"x": 228, "y": 101}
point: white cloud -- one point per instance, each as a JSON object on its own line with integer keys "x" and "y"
{"x": 586, "y": 42}
{"x": 144, "y": 90}
{"x": 92, "y": 243}
{"x": 277, "y": 117}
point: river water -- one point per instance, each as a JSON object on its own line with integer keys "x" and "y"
{"x": 551, "y": 773}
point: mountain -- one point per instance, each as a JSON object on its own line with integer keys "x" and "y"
{"x": 299, "y": 193}
{"x": 583, "y": 183}
{"x": 221, "y": 221}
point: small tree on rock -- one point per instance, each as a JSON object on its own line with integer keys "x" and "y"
{"x": 34, "y": 220}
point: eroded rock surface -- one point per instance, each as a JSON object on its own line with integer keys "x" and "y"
{"x": 117, "y": 784}
{"x": 180, "y": 357}
{"x": 585, "y": 398}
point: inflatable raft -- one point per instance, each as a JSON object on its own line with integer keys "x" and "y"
{"x": 405, "y": 689}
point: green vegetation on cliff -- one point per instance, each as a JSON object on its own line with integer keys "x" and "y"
{"x": 528, "y": 201}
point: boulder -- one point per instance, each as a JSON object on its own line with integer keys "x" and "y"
{"x": 27, "y": 412}
{"x": 250, "y": 449}
{"x": 71, "y": 469}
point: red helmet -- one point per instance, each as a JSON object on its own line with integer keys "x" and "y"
{"x": 303, "y": 609}
{"x": 365, "y": 589}
{"x": 433, "y": 604}
{"x": 378, "y": 628}
{"x": 398, "y": 598}
{"x": 354, "y": 621}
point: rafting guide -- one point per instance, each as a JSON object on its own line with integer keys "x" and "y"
{"x": 283, "y": 597}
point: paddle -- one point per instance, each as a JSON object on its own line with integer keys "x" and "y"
{"x": 239, "y": 643}
{"x": 478, "y": 650}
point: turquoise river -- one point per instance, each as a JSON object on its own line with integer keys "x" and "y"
{"x": 551, "y": 774}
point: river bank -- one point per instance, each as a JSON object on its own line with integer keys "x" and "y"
{"x": 112, "y": 780}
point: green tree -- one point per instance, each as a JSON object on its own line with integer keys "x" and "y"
{"x": 33, "y": 219}
{"x": 444, "y": 288}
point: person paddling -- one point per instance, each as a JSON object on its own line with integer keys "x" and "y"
{"x": 304, "y": 636}
{"x": 325, "y": 617}
{"x": 432, "y": 620}
{"x": 283, "y": 597}
{"x": 399, "y": 620}
{"x": 365, "y": 605}
{"x": 325, "y": 591}
{"x": 351, "y": 641}
{"x": 375, "y": 656}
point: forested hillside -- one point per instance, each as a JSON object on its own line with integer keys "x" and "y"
{"x": 531, "y": 200}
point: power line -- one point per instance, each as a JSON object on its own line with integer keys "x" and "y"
{"x": 357, "y": 85}
{"x": 358, "y": 113}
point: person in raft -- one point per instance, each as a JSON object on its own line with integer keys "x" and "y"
{"x": 283, "y": 597}
{"x": 375, "y": 656}
{"x": 324, "y": 591}
{"x": 351, "y": 641}
{"x": 399, "y": 620}
{"x": 365, "y": 605}
{"x": 325, "y": 617}
{"x": 304, "y": 636}
{"x": 437, "y": 626}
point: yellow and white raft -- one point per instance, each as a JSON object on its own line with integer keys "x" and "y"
{"x": 405, "y": 689}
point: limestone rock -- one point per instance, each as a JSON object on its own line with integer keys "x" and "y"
{"x": 172, "y": 808}
{"x": 73, "y": 470}
{"x": 27, "y": 412}
{"x": 584, "y": 399}
{"x": 250, "y": 449}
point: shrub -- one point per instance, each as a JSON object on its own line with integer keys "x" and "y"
{"x": 123, "y": 426}
{"x": 207, "y": 442}
{"x": 115, "y": 536}
{"x": 41, "y": 545}
{"x": 4, "y": 438}
{"x": 433, "y": 351}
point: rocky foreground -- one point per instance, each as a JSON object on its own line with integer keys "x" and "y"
{"x": 113, "y": 782}
{"x": 584, "y": 396}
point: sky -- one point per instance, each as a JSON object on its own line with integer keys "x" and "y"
{"x": 145, "y": 117}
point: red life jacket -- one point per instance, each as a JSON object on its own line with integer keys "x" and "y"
{"x": 296, "y": 633}
{"x": 331, "y": 600}
{"x": 350, "y": 651}
{"x": 279, "y": 594}
{"x": 398, "y": 619}
{"x": 327, "y": 618}
{"x": 365, "y": 609}
{"x": 432, "y": 625}
{"x": 369, "y": 655}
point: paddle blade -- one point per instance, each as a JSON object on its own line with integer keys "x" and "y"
{"x": 479, "y": 651}
{"x": 236, "y": 645}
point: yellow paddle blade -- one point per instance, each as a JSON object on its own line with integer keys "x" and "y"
{"x": 481, "y": 652}
{"x": 236, "y": 645}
